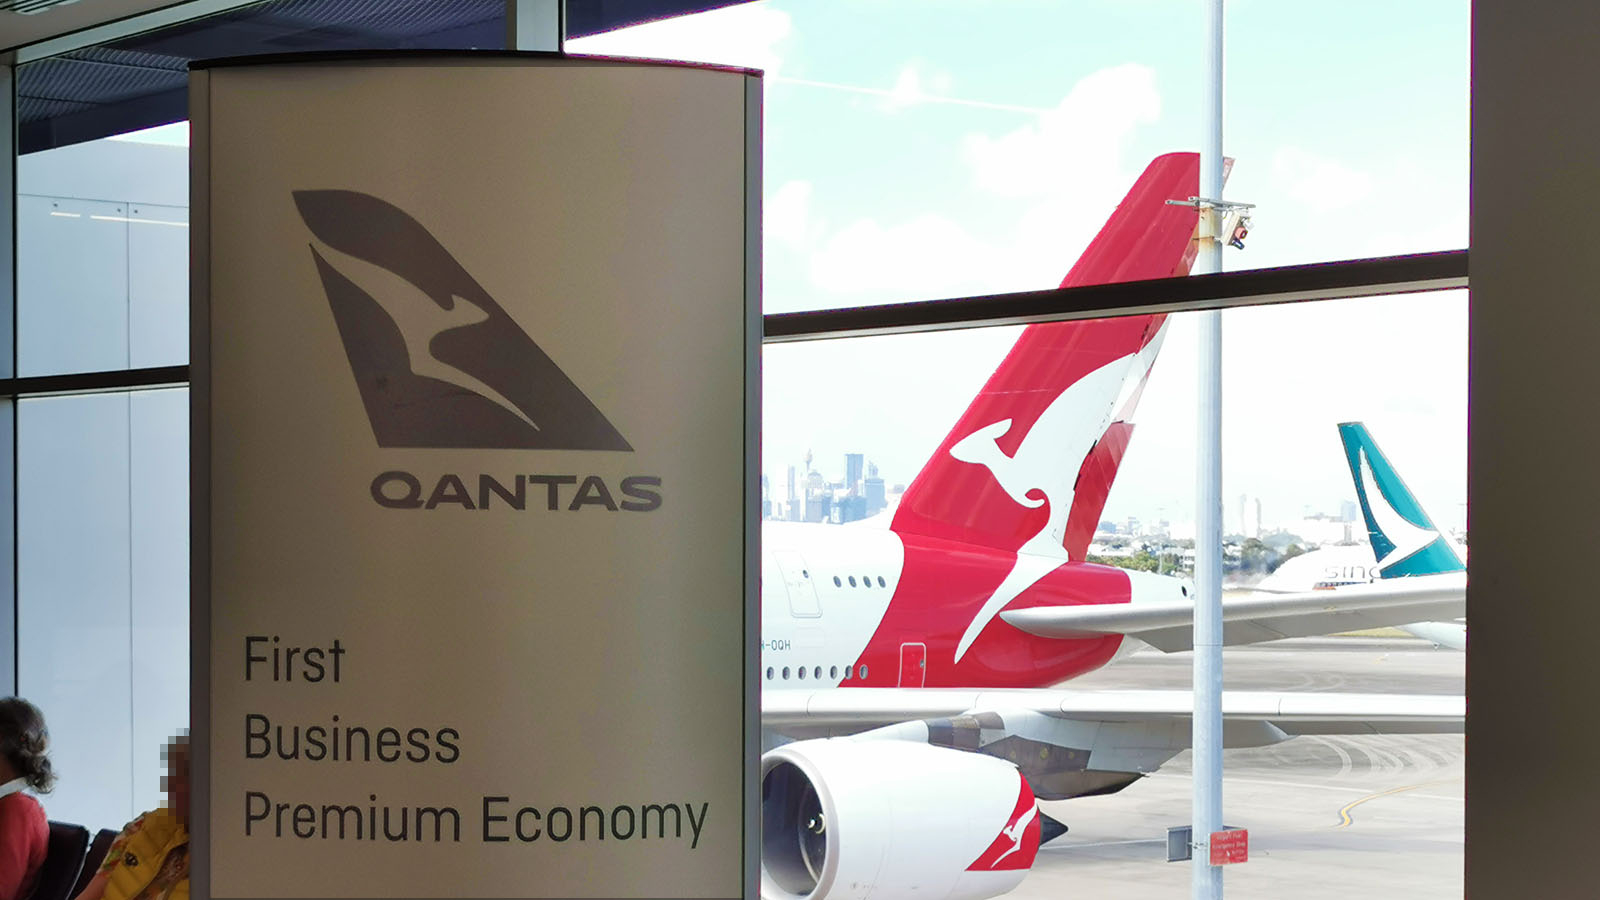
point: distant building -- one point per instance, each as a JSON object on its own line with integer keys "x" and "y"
{"x": 875, "y": 490}
{"x": 1349, "y": 511}
{"x": 850, "y": 508}
{"x": 1249, "y": 516}
{"x": 1323, "y": 529}
{"x": 791, "y": 502}
{"x": 854, "y": 471}
{"x": 819, "y": 507}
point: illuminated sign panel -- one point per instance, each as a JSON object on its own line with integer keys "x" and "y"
{"x": 474, "y": 430}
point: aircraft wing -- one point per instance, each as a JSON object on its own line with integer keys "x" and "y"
{"x": 857, "y": 709}
{"x": 1246, "y": 620}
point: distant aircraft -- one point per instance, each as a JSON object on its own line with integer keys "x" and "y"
{"x": 933, "y": 643}
{"x": 1405, "y": 542}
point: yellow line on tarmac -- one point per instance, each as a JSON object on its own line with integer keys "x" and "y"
{"x": 1344, "y": 814}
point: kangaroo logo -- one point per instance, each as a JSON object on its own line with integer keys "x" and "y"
{"x": 1012, "y": 837}
{"x": 1044, "y": 471}
{"x": 1015, "y": 831}
{"x": 437, "y": 361}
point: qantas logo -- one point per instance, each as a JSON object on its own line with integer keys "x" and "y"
{"x": 1018, "y": 842}
{"x": 1046, "y": 464}
{"x": 1406, "y": 538}
{"x": 437, "y": 361}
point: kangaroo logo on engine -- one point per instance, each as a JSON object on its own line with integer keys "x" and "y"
{"x": 437, "y": 361}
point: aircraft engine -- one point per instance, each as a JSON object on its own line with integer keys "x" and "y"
{"x": 843, "y": 819}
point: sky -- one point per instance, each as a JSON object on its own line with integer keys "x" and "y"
{"x": 919, "y": 149}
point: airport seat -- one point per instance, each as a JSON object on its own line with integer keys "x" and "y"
{"x": 96, "y": 856}
{"x": 63, "y": 860}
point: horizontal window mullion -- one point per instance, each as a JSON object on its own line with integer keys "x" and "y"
{"x": 91, "y": 382}
{"x": 1322, "y": 281}
{"x": 1353, "y": 278}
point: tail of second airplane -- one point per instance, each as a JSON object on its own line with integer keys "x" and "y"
{"x": 1404, "y": 540}
{"x": 1029, "y": 464}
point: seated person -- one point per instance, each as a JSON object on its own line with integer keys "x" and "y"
{"x": 149, "y": 860}
{"x": 24, "y": 831}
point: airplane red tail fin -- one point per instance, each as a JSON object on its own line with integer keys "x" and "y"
{"x": 1030, "y": 463}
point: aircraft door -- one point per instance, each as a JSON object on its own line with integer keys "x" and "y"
{"x": 798, "y": 584}
{"x": 913, "y": 664}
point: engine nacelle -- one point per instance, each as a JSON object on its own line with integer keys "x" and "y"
{"x": 845, "y": 819}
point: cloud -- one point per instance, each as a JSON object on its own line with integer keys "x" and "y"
{"x": 913, "y": 86}
{"x": 787, "y": 214}
{"x": 1084, "y": 133}
{"x": 1065, "y": 167}
{"x": 746, "y": 35}
{"x": 928, "y": 256}
{"x": 1319, "y": 183}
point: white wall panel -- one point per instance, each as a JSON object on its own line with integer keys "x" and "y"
{"x": 72, "y": 285}
{"x": 158, "y": 286}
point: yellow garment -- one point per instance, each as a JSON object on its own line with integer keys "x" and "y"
{"x": 150, "y": 860}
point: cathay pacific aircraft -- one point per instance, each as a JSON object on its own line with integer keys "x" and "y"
{"x": 1405, "y": 542}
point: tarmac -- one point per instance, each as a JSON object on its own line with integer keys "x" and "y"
{"x": 1329, "y": 816}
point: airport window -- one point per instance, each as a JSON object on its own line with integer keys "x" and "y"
{"x": 980, "y": 160}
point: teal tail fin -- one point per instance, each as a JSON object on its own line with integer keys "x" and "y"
{"x": 1404, "y": 540}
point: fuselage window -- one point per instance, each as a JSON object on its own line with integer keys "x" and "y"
{"x": 769, "y": 673}
{"x": 801, "y": 673}
{"x": 837, "y": 582}
{"x": 881, "y": 582}
{"x": 866, "y": 581}
{"x": 833, "y": 672}
{"x": 852, "y": 581}
{"x": 863, "y": 672}
{"x": 818, "y": 673}
{"x": 785, "y": 673}
{"x": 846, "y": 673}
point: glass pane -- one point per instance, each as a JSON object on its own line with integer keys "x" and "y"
{"x": 979, "y": 440}
{"x": 159, "y": 588}
{"x": 1353, "y": 139}
{"x": 103, "y": 591}
{"x": 73, "y": 549}
{"x": 103, "y": 255}
{"x": 916, "y": 150}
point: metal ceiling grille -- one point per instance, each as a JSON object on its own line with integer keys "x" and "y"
{"x": 141, "y": 81}
{"x": 31, "y": 7}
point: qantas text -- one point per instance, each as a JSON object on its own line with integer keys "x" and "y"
{"x": 397, "y": 489}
